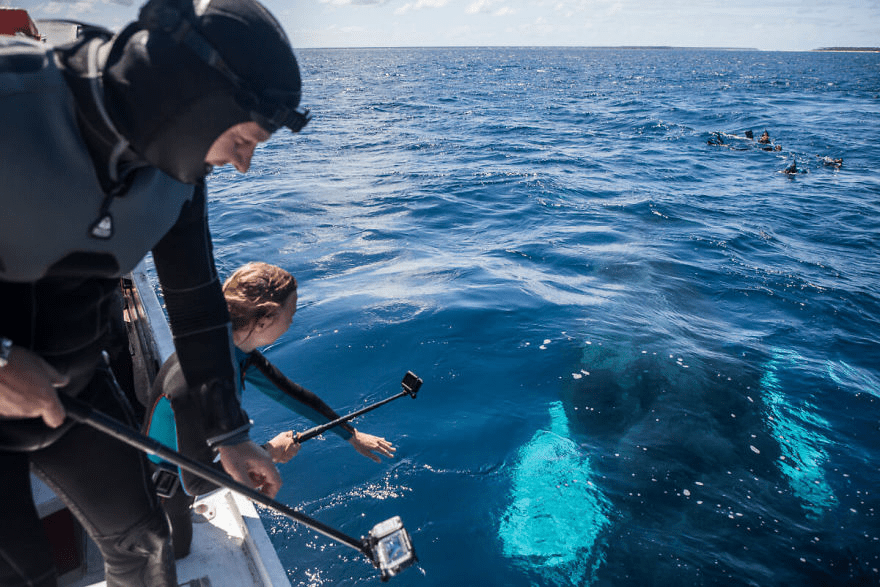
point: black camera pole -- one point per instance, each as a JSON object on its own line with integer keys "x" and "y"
{"x": 411, "y": 384}
{"x": 85, "y": 414}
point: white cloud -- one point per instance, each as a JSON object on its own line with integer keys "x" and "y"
{"x": 479, "y": 6}
{"x": 52, "y": 8}
{"x": 78, "y": 9}
{"x": 571, "y": 7}
{"x": 489, "y": 7}
{"x": 541, "y": 27}
{"x": 409, "y": 6}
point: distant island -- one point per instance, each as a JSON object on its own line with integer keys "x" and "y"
{"x": 680, "y": 48}
{"x": 851, "y": 49}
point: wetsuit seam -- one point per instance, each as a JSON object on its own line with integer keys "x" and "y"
{"x": 74, "y": 508}
{"x": 99, "y": 335}
{"x": 193, "y": 288}
{"x": 80, "y": 514}
{"x": 33, "y": 304}
{"x": 202, "y": 331}
{"x": 207, "y": 248}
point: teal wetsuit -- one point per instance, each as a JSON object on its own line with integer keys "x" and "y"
{"x": 160, "y": 424}
{"x": 255, "y": 370}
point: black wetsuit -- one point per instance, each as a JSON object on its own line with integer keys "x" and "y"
{"x": 102, "y": 481}
{"x": 70, "y": 314}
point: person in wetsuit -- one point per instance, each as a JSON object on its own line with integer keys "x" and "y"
{"x": 262, "y": 302}
{"x": 106, "y": 143}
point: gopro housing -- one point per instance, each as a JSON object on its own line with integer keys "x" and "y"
{"x": 411, "y": 384}
{"x": 390, "y": 547}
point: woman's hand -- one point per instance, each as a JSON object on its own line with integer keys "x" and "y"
{"x": 27, "y": 388}
{"x": 283, "y": 447}
{"x": 371, "y": 446}
{"x": 250, "y": 465}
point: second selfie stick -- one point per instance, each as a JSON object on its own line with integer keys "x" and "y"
{"x": 388, "y": 546}
{"x": 411, "y": 384}
{"x": 85, "y": 414}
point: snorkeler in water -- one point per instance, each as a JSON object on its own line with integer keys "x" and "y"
{"x": 765, "y": 144}
{"x": 829, "y": 162}
{"x": 764, "y": 139}
{"x": 733, "y": 142}
{"x": 715, "y": 139}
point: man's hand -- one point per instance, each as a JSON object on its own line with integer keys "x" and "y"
{"x": 283, "y": 447}
{"x": 371, "y": 446}
{"x": 27, "y": 388}
{"x": 250, "y": 465}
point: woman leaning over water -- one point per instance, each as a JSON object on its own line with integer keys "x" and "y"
{"x": 262, "y": 302}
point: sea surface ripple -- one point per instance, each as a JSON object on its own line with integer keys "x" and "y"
{"x": 647, "y": 359}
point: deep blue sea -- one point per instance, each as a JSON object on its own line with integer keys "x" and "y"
{"x": 647, "y": 359}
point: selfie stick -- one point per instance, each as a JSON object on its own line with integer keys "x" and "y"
{"x": 372, "y": 547}
{"x": 411, "y": 384}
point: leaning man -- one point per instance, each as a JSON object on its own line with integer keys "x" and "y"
{"x": 104, "y": 146}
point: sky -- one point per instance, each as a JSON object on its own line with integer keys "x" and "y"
{"x": 775, "y": 25}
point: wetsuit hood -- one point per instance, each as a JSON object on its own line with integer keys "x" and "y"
{"x": 188, "y": 70}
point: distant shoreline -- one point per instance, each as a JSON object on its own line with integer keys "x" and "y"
{"x": 850, "y": 49}
{"x": 590, "y": 47}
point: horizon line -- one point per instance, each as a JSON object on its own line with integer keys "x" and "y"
{"x": 627, "y": 47}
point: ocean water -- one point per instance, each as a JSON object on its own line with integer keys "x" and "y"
{"x": 647, "y": 359}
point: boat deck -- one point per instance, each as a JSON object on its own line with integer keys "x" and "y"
{"x": 228, "y": 549}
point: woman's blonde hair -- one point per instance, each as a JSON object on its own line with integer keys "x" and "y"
{"x": 256, "y": 291}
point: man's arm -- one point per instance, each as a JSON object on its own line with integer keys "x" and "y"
{"x": 202, "y": 336}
